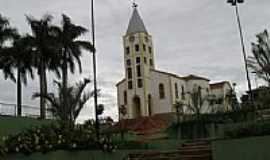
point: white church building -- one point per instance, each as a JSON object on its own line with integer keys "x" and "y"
{"x": 146, "y": 91}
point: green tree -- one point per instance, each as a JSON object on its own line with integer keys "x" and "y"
{"x": 71, "y": 48}
{"x": 76, "y": 98}
{"x": 7, "y": 33}
{"x": 46, "y": 49}
{"x": 260, "y": 61}
{"x": 18, "y": 57}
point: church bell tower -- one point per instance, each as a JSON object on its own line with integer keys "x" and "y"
{"x": 139, "y": 60}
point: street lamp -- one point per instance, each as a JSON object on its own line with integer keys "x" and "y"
{"x": 235, "y": 3}
{"x": 94, "y": 69}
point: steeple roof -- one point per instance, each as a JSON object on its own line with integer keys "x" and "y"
{"x": 136, "y": 23}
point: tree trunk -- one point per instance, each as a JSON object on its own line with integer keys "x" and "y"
{"x": 68, "y": 110}
{"x": 19, "y": 94}
{"x": 43, "y": 90}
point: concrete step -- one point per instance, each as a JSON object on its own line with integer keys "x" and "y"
{"x": 201, "y": 142}
{"x": 172, "y": 155}
{"x": 201, "y": 156}
{"x": 196, "y": 150}
{"x": 196, "y": 147}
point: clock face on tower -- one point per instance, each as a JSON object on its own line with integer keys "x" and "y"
{"x": 131, "y": 39}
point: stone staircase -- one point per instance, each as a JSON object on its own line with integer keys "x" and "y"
{"x": 192, "y": 150}
{"x": 196, "y": 150}
{"x": 154, "y": 155}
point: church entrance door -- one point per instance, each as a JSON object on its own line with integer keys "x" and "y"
{"x": 137, "y": 106}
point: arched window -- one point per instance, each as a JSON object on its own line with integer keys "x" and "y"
{"x": 125, "y": 97}
{"x": 200, "y": 90}
{"x": 161, "y": 91}
{"x": 176, "y": 90}
{"x": 150, "y": 105}
{"x": 183, "y": 93}
{"x": 129, "y": 73}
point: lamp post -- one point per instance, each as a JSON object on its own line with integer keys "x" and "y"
{"x": 235, "y": 3}
{"x": 94, "y": 70}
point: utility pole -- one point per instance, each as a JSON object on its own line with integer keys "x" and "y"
{"x": 94, "y": 70}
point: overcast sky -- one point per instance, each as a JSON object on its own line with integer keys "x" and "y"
{"x": 190, "y": 37}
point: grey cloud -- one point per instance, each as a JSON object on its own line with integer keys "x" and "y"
{"x": 190, "y": 36}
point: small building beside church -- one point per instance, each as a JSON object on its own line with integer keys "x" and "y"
{"x": 146, "y": 91}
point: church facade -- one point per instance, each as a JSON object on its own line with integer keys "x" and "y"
{"x": 146, "y": 91}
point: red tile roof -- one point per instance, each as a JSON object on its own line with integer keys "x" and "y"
{"x": 219, "y": 85}
{"x": 194, "y": 77}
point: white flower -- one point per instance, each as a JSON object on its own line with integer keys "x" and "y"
{"x": 50, "y": 146}
{"x": 46, "y": 142}
{"x": 17, "y": 149}
{"x": 74, "y": 145}
{"x": 4, "y": 138}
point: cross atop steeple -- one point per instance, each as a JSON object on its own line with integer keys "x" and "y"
{"x": 134, "y": 4}
{"x": 136, "y": 24}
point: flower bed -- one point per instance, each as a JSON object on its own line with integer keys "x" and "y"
{"x": 54, "y": 137}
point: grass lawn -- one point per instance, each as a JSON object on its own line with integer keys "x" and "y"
{"x": 255, "y": 148}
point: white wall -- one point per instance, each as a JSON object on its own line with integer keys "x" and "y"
{"x": 161, "y": 105}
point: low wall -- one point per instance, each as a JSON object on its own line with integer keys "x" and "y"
{"x": 75, "y": 155}
{"x": 255, "y": 148}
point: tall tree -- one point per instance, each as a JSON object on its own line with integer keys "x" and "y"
{"x": 68, "y": 35}
{"x": 18, "y": 57}
{"x": 260, "y": 62}
{"x": 43, "y": 40}
{"x": 6, "y": 33}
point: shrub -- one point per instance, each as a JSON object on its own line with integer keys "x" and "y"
{"x": 249, "y": 130}
{"x": 54, "y": 137}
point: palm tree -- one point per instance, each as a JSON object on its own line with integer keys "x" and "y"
{"x": 76, "y": 101}
{"x": 46, "y": 48}
{"x": 68, "y": 35}
{"x": 6, "y": 32}
{"x": 18, "y": 57}
{"x": 260, "y": 62}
